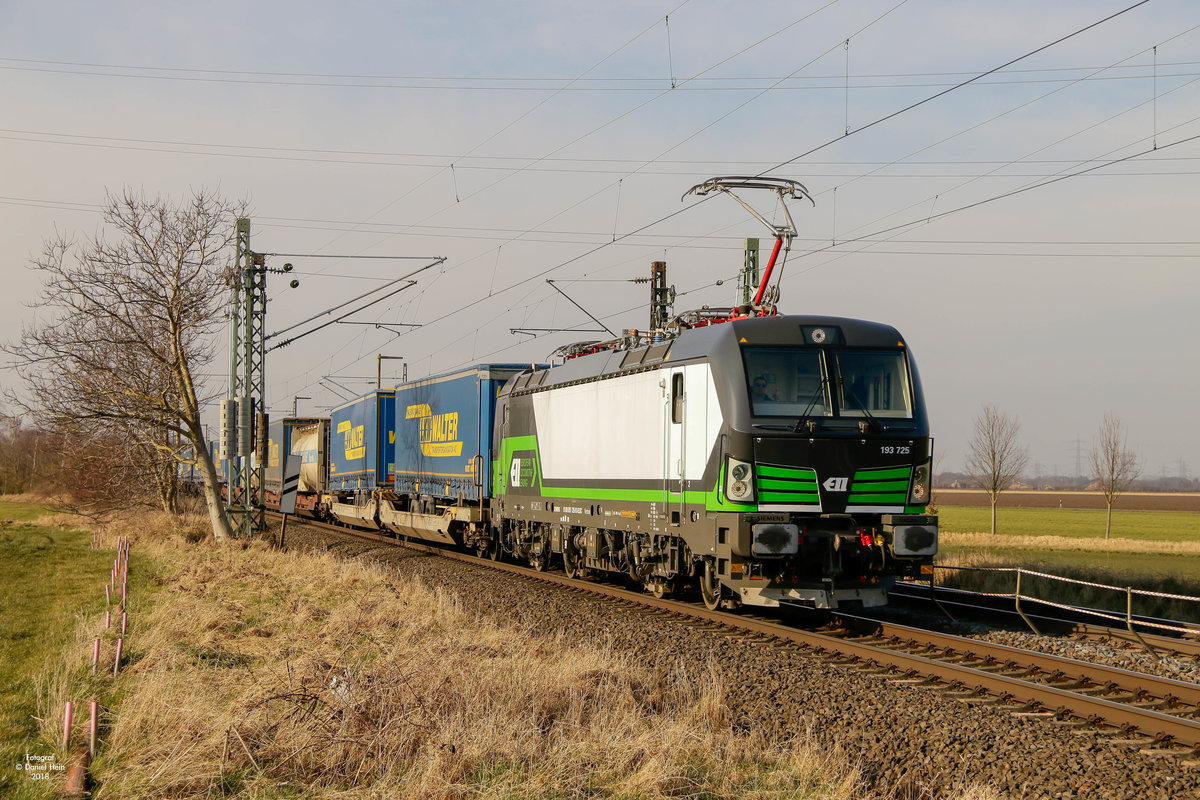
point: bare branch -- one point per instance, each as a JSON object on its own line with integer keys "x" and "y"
{"x": 1116, "y": 466}
{"x": 128, "y": 319}
{"x": 995, "y": 460}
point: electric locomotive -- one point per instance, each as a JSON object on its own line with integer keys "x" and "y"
{"x": 774, "y": 459}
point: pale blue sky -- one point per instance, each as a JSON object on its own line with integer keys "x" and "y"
{"x": 1057, "y": 304}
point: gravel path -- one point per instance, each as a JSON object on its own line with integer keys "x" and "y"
{"x": 912, "y": 740}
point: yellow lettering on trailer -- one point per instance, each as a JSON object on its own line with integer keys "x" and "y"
{"x": 355, "y": 442}
{"x": 439, "y": 435}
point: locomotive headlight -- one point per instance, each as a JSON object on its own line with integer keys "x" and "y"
{"x": 740, "y": 484}
{"x": 920, "y": 485}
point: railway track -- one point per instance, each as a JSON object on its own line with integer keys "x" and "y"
{"x": 1185, "y": 644}
{"x": 1141, "y": 710}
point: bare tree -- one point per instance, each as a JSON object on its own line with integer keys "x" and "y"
{"x": 28, "y": 457}
{"x": 995, "y": 460}
{"x": 130, "y": 315}
{"x": 1115, "y": 465}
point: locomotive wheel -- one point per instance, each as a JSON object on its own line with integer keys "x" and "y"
{"x": 541, "y": 562}
{"x": 571, "y": 562}
{"x": 493, "y": 550}
{"x": 710, "y": 586}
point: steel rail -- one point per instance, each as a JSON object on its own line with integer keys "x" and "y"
{"x": 1136, "y": 683}
{"x": 1153, "y": 724}
{"x": 1180, "y": 645}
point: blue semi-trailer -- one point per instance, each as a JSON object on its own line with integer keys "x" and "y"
{"x": 361, "y": 437}
{"x": 362, "y": 433}
{"x": 444, "y": 433}
{"x": 438, "y": 476}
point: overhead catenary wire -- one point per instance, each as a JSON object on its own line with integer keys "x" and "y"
{"x": 327, "y": 323}
{"x": 581, "y": 308}
{"x": 722, "y": 117}
{"x": 958, "y": 86}
{"x": 860, "y": 129}
{"x": 353, "y": 256}
{"x": 264, "y": 152}
{"x": 522, "y": 116}
{"x": 542, "y": 81}
{"x": 949, "y": 212}
{"x": 646, "y": 233}
{"x": 434, "y": 263}
{"x": 639, "y": 106}
{"x": 1023, "y": 159}
{"x": 1099, "y": 162}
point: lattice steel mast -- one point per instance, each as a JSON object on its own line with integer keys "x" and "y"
{"x": 243, "y": 413}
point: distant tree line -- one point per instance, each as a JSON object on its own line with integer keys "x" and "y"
{"x": 88, "y": 470}
{"x": 951, "y": 479}
{"x": 28, "y": 458}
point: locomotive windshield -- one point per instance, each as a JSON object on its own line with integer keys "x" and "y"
{"x": 800, "y": 382}
{"x": 787, "y": 382}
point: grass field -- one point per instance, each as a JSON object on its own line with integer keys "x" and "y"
{"x": 1150, "y": 550}
{"x": 1162, "y": 526}
{"x": 48, "y": 579}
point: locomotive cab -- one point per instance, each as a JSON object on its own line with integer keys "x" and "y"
{"x": 828, "y": 463}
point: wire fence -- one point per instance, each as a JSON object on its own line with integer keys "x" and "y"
{"x": 1113, "y": 595}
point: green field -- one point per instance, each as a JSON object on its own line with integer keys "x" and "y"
{"x": 1149, "y": 550}
{"x": 49, "y": 577}
{"x": 1162, "y": 526}
{"x": 21, "y": 512}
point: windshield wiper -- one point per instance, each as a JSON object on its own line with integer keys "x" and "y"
{"x": 872, "y": 423}
{"x": 804, "y": 420}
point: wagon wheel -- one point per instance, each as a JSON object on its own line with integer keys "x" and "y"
{"x": 710, "y": 586}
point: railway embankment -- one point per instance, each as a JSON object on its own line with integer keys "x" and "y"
{"x": 354, "y": 669}
{"x": 907, "y": 739}
{"x": 252, "y": 672}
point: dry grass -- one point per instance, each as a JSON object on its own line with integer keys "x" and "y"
{"x": 262, "y": 671}
{"x": 1068, "y": 543}
{"x": 264, "y": 674}
{"x": 1104, "y": 566}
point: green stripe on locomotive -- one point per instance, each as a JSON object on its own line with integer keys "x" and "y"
{"x": 712, "y": 499}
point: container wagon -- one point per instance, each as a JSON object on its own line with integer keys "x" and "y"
{"x": 307, "y": 437}
{"x": 362, "y": 437}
